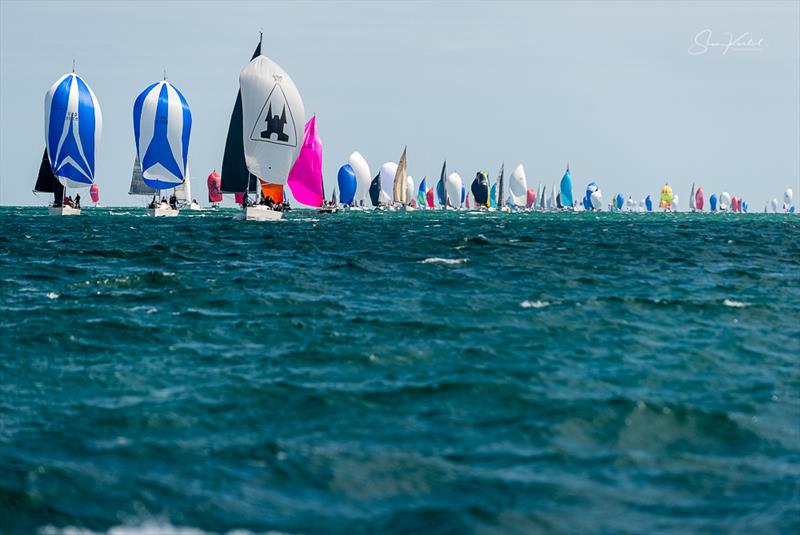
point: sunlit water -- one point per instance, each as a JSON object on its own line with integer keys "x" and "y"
{"x": 400, "y": 373}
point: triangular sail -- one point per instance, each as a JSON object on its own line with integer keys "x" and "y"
{"x": 235, "y": 177}
{"x": 692, "y": 205}
{"x": 400, "y": 180}
{"x": 375, "y": 190}
{"x": 46, "y": 181}
{"x": 138, "y": 187}
{"x": 441, "y": 189}
{"x": 500, "y": 199}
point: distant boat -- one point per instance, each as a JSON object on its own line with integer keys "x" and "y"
{"x": 531, "y": 200}
{"x": 441, "y": 187}
{"x": 463, "y": 194}
{"x": 518, "y": 186}
{"x": 666, "y": 198}
{"x": 699, "y": 199}
{"x": 620, "y": 201}
{"x": 73, "y": 127}
{"x": 348, "y": 183}
{"x": 499, "y": 200}
{"x": 305, "y": 177}
{"x": 375, "y": 191}
{"x": 774, "y": 206}
{"x": 542, "y": 197}
{"x": 454, "y": 186}
{"x": 554, "y": 205}
{"x": 597, "y": 200}
{"x": 788, "y": 200}
{"x": 724, "y": 201}
{"x": 692, "y": 206}
{"x": 648, "y": 203}
{"x": 480, "y": 190}
{"x": 214, "y": 193}
{"x": 566, "y": 189}
{"x": 388, "y": 172}
{"x": 712, "y": 202}
{"x": 400, "y": 181}
{"x": 429, "y": 198}
{"x": 94, "y": 192}
{"x": 363, "y": 177}
{"x": 421, "y": 193}
{"x": 162, "y": 126}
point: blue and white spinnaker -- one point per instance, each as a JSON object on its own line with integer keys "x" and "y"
{"x": 162, "y": 124}
{"x": 73, "y": 124}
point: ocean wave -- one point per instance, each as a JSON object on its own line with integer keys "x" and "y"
{"x": 534, "y": 304}
{"x": 145, "y": 529}
{"x": 735, "y": 304}
{"x": 447, "y": 261}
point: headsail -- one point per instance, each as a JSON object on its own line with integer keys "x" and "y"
{"x": 400, "y": 182}
{"x": 46, "y": 181}
{"x": 138, "y": 187}
{"x": 501, "y": 201}
{"x": 441, "y": 188}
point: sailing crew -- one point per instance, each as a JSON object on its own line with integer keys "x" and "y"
{"x": 173, "y": 201}
{"x": 78, "y": 200}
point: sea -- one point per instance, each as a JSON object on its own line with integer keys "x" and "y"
{"x": 399, "y": 372}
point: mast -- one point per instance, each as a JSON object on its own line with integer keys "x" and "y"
{"x": 501, "y": 202}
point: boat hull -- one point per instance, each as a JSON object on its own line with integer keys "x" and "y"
{"x": 259, "y": 213}
{"x": 64, "y": 210}
{"x": 162, "y": 211}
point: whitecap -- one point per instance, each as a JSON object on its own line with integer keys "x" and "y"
{"x": 735, "y": 304}
{"x": 448, "y": 261}
{"x": 53, "y": 295}
{"x": 534, "y": 304}
{"x": 147, "y": 528}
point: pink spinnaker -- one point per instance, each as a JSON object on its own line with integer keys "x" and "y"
{"x": 214, "y": 182}
{"x": 699, "y": 199}
{"x": 305, "y": 177}
{"x": 94, "y": 192}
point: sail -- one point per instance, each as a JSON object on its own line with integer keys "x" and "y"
{"x": 214, "y": 194}
{"x": 429, "y": 197}
{"x": 46, "y": 181}
{"x": 788, "y": 197}
{"x": 363, "y": 175}
{"x": 463, "y": 193}
{"x": 531, "y": 198}
{"x": 94, "y": 193}
{"x": 699, "y": 199}
{"x": 566, "y": 189}
{"x": 597, "y": 200}
{"x": 162, "y": 124}
{"x": 422, "y": 192}
{"x": 620, "y": 201}
{"x": 138, "y": 187}
{"x": 712, "y": 202}
{"x": 347, "y": 182}
{"x": 692, "y": 206}
{"x": 409, "y": 189}
{"x": 399, "y": 180}
{"x": 375, "y": 190}
{"x": 453, "y": 187}
{"x": 441, "y": 189}
{"x": 666, "y": 197}
{"x": 724, "y": 201}
{"x": 305, "y": 178}
{"x": 648, "y": 203}
{"x": 183, "y": 191}
{"x": 518, "y": 184}
{"x": 235, "y": 177}
{"x": 543, "y": 198}
{"x": 272, "y": 115}
{"x": 73, "y": 124}
{"x": 553, "y": 197}
{"x": 480, "y": 189}
{"x": 272, "y": 190}
{"x": 500, "y": 184}
{"x": 388, "y": 172}
{"x": 734, "y": 204}
{"x": 494, "y": 196}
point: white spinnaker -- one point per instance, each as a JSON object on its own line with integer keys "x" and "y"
{"x": 273, "y": 118}
{"x": 773, "y": 204}
{"x": 518, "y": 184}
{"x": 388, "y": 170}
{"x": 410, "y": 191}
{"x": 787, "y": 197}
{"x": 363, "y": 176}
{"x": 724, "y": 201}
{"x": 597, "y": 200}
{"x": 453, "y": 185}
{"x": 675, "y": 201}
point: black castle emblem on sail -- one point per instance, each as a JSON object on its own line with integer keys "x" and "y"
{"x": 275, "y": 125}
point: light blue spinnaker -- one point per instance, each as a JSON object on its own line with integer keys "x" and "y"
{"x": 566, "y": 189}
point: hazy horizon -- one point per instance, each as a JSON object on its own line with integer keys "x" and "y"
{"x": 611, "y": 87}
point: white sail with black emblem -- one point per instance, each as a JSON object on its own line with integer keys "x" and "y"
{"x": 272, "y": 120}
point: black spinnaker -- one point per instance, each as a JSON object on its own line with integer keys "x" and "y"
{"x": 375, "y": 190}
{"x": 480, "y": 189}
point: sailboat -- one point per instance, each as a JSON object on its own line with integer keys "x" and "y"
{"x": 400, "y": 182}
{"x": 500, "y": 199}
{"x": 268, "y": 114}
{"x": 305, "y": 177}
{"x": 183, "y": 193}
{"x": 347, "y": 182}
{"x": 666, "y": 198}
{"x": 566, "y": 189}
{"x": 699, "y": 199}
{"x": 518, "y": 186}
{"x": 363, "y": 177}
{"x": 375, "y": 192}
{"x": 692, "y": 206}
{"x": 73, "y": 126}
{"x": 138, "y": 187}
{"x": 455, "y": 188}
{"x": 441, "y": 188}
{"x": 421, "y": 194}
{"x": 214, "y": 194}
{"x": 480, "y": 190}
{"x": 162, "y": 125}
{"x": 94, "y": 193}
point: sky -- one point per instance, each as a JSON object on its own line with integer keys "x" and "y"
{"x": 629, "y": 93}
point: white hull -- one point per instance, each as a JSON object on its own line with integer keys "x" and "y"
{"x": 259, "y": 213}
{"x": 64, "y": 210}
{"x": 163, "y": 211}
{"x": 194, "y": 206}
